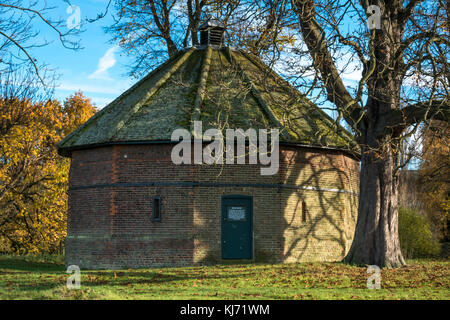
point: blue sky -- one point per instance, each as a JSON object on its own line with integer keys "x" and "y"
{"x": 99, "y": 69}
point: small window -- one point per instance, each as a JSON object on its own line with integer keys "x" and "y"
{"x": 156, "y": 214}
{"x": 303, "y": 211}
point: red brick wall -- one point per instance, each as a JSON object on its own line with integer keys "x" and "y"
{"x": 109, "y": 226}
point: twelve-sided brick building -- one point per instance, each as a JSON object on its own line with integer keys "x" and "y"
{"x": 131, "y": 206}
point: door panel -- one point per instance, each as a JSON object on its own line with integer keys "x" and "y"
{"x": 237, "y": 227}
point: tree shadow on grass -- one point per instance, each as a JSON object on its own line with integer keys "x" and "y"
{"x": 29, "y": 264}
{"x": 48, "y": 275}
{"x": 137, "y": 280}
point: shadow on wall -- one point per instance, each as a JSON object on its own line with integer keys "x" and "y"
{"x": 312, "y": 215}
{"x": 319, "y": 224}
{"x": 308, "y": 214}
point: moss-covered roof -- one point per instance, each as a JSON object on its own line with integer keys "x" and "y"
{"x": 223, "y": 88}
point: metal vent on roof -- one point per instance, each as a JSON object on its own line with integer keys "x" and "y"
{"x": 211, "y": 32}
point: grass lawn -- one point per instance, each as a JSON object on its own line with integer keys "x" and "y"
{"x": 40, "y": 277}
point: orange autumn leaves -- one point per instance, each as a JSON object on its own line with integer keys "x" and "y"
{"x": 33, "y": 177}
{"x": 435, "y": 176}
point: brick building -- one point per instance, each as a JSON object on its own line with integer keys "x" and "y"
{"x": 131, "y": 206}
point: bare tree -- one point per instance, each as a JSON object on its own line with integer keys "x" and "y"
{"x": 404, "y": 81}
{"x": 19, "y": 35}
{"x": 151, "y": 31}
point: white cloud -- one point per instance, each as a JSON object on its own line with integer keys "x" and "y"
{"x": 101, "y": 102}
{"x": 117, "y": 89}
{"x": 106, "y": 62}
{"x": 351, "y": 69}
{"x": 354, "y": 75}
{"x": 101, "y": 94}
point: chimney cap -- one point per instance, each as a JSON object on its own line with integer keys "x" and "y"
{"x": 211, "y": 23}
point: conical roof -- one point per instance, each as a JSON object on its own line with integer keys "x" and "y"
{"x": 221, "y": 87}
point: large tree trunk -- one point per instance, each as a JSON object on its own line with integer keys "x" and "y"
{"x": 376, "y": 239}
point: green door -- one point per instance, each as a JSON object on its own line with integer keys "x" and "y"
{"x": 237, "y": 227}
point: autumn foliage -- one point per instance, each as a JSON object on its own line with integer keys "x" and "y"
{"x": 33, "y": 177}
{"x": 434, "y": 176}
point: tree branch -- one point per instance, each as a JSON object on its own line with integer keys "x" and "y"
{"x": 314, "y": 38}
{"x": 32, "y": 61}
{"x": 424, "y": 111}
{"x": 47, "y": 22}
